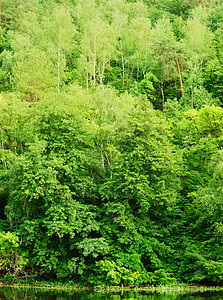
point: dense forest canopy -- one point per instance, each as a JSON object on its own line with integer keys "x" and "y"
{"x": 111, "y": 135}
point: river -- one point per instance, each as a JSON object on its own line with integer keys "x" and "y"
{"x": 49, "y": 294}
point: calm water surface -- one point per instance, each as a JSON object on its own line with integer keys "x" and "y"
{"x": 31, "y": 294}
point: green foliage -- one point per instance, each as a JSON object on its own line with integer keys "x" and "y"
{"x": 161, "y": 277}
{"x": 111, "y": 273}
{"x": 93, "y": 246}
{"x": 12, "y": 261}
{"x": 111, "y": 141}
{"x": 145, "y": 164}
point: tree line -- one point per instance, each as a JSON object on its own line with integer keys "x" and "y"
{"x": 111, "y": 141}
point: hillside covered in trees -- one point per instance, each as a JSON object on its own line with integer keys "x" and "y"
{"x": 111, "y": 135}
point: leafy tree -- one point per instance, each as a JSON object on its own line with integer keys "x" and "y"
{"x": 142, "y": 162}
{"x": 140, "y": 37}
{"x": 33, "y": 75}
{"x": 213, "y": 78}
{"x": 198, "y": 48}
{"x": 12, "y": 262}
{"x": 59, "y": 32}
{"x": 119, "y": 18}
{"x": 96, "y": 185}
{"x": 52, "y": 188}
{"x": 97, "y": 49}
{"x": 167, "y": 53}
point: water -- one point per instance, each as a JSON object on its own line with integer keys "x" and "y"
{"x": 44, "y": 294}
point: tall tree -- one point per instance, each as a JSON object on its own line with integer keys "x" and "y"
{"x": 97, "y": 47}
{"x": 119, "y": 17}
{"x": 33, "y": 74}
{"x": 139, "y": 35}
{"x": 198, "y": 48}
{"x": 167, "y": 53}
{"x": 58, "y": 41}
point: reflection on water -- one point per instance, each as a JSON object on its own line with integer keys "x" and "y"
{"x": 41, "y": 294}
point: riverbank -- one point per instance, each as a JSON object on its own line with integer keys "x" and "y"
{"x": 185, "y": 289}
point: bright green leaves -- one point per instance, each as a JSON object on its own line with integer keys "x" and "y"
{"x": 197, "y": 46}
{"x": 93, "y": 246}
{"x": 61, "y": 219}
{"x": 51, "y": 185}
{"x": 15, "y": 116}
{"x": 145, "y": 166}
{"x": 110, "y": 272}
{"x": 198, "y": 268}
{"x": 40, "y": 50}
{"x": 96, "y": 187}
{"x": 58, "y": 41}
{"x": 143, "y": 186}
{"x": 99, "y": 187}
{"x": 213, "y": 78}
{"x": 34, "y": 74}
{"x": 53, "y": 165}
{"x": 216, "y": 166}
{"x": 119, "y": 223}
{"x": 212, "y": 195}
{"x": 12, "y": 262}
{"x": 139, "y": 39}
{"x": 97, "y": 49}
{"x": 211, "y": 121}
{"x": 165, "y": 49}
{"x": 198, "y": 40}
{"x": 200, "y": 138}
{"x": 133, "y": 266}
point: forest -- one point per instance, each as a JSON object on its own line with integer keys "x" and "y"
{"x": 111, "y": 142}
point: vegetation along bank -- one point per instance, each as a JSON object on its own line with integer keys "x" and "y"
{"x": 111, "y": 135}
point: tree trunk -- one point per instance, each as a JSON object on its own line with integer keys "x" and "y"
{"x": 0, "y": 13}
{"x": 102, "y": 71}
{"x": 87, "y": 79}
{"x": 58, "y": 71}
{"x": 144, "y": 71}
{"x": 181, "y": 82}
{"x": 163, "y": 98}
{"x": 19, "y": 20}
{"x": 36, "y": 100}
{"x": 95, "y": 53}
{"x": 94, "y": 73}
{"x": 123, "y": 65}
{"x": 86, "y": 70}
{"x": 102, "y": 156}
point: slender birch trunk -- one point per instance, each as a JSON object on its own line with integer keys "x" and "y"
{"x": 36, "y": 96}
{"x": 123, "y": 65}
{"x": 58, "y": 70}
{"x": 95, "y": 53}
{"x": 86, "y": 70}
{"x": 162, "y": 91}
